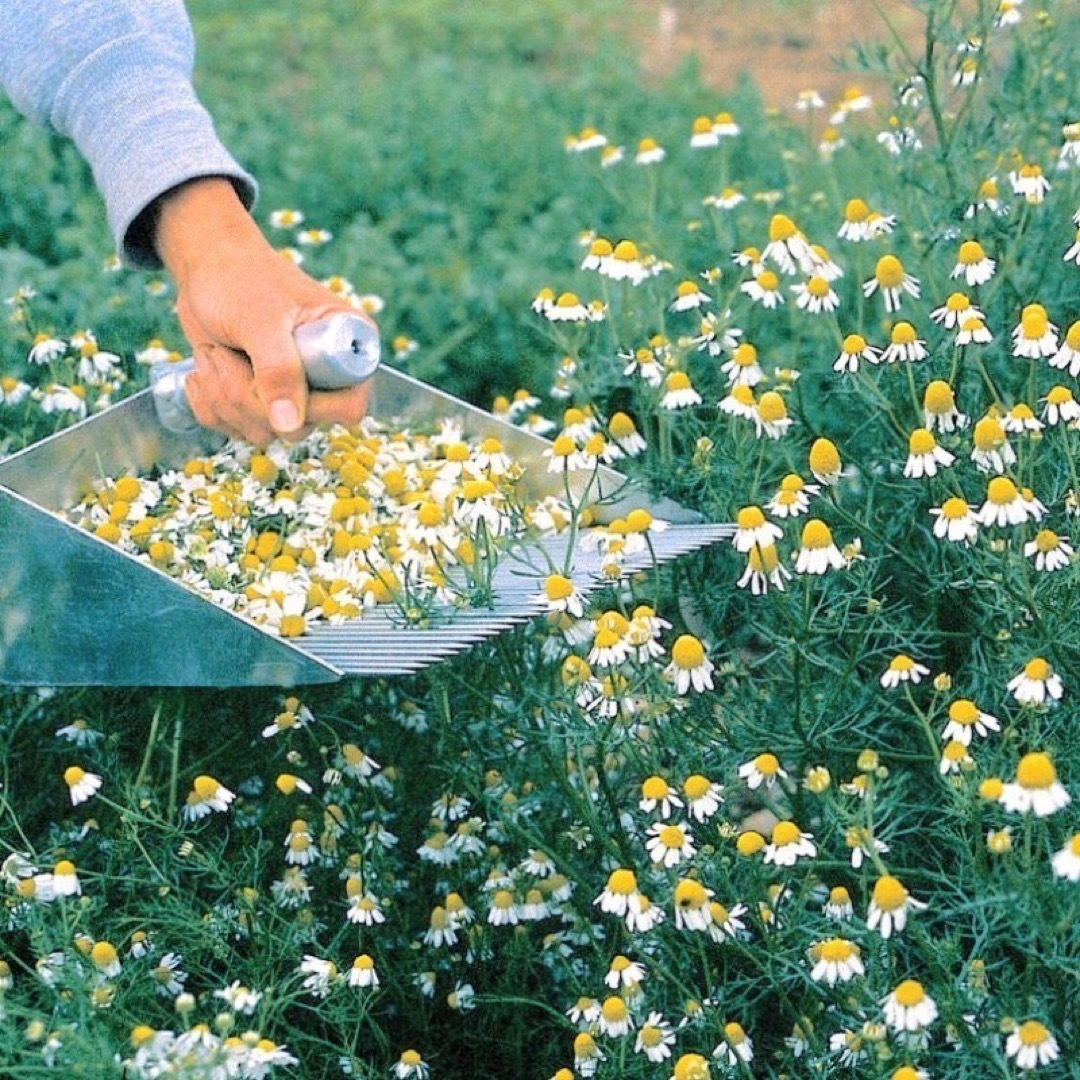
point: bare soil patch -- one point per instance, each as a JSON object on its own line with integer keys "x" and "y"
{"x": 785, "y": 46}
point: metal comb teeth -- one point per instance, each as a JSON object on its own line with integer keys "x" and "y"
{"x": 381, "y": 643}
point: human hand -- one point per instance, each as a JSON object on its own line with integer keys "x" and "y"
{"x": 239, "y": 301}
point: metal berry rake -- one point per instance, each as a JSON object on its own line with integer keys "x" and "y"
{"x": 77, "y": 611}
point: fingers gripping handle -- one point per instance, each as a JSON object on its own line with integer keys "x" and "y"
{"x": 338, "y": 352}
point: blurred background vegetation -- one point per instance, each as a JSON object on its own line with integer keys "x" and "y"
{"x": 425, "y": 134}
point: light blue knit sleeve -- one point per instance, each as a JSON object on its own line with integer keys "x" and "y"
{"x": 115, "y": 77}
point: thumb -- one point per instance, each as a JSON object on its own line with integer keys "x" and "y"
{"x": 280, "y": 382}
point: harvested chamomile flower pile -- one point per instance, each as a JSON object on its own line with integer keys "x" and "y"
{"x": 319, "y": 530}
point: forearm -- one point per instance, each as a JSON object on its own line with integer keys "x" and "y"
{"x": 115, "y": 76}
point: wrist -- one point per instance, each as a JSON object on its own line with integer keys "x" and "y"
{"x": 197, "y": 218}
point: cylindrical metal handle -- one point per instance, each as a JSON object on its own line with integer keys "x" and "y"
{"x": 339, "y": 351}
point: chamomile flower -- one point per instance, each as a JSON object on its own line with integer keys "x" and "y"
{"x": 46, "y": 349}
{"x": 703, "y": 134}
{"x": 736, "y": 1047}
{"x": 743, "y": 368}
{"x": 703, "y": 796}
{"x": 740, "y": 402}
{"x": 909, "y": 1009}
{"x": 838, "y": 907}
{"x": 973, "y": 264}
{"x": 1020, "y": 419}
{"x": 689, "y": 297}
{"x": 824, "y": 461}
{"x": 1035, "y": 336}
{"x": 763, "y": 568}
{"x": 1072, "y": 253}
{"x": 13, "y": 391}
{"x": 902, "y": 669}
{"x": 561, "y": 594}
{"x": 771, "y": 418}
{"x": 1068, "y": 355}
{"x": 657, "y": 794}
{"x": 973, "y": 331}
{"x": 764, "y": 289}
{"x": 655, "y": 1038}
{"x": 818, "y": 553}
{"x": 925, "y": 456}
{"x": 82, "y": 785}
{"x": 615, "y": 1018}
{"x": 1029, "y": 182}
{"x": 792, "y": 499}
{"x": 1036, "y": 684}
{"x": 892, "y": 281}
{"x": 691, "y": 1067}
{"x": 991, "y": 451}
{"x": 966, "y": 717}
{"x": 1036, "y": 788}
{"x": 625, "y": 434}
{"x": 854, "y": 351}
{"x": 939, "y": 408}
{"x": 787, "y": 248}
{"x": 690, "y": 667}
{"x": 620, "y": 892}
{"x": 788, "y": 844}
{"x": 1065, "y": 862}
{"x": 763, "y": 770}
{"x": 205, "y": 797}
{"x": 753, "y": 530}
{"x": 679, "y": 392}
{"x": 905, "y": 345}
{"x": 816, "y": 295}
{"x": 1031, "y": 1044}
{"x": 410, "y": 1066}
{"x": 955, "y": 311}
{"x": 835, "y": 960}
{"x": 1006, "y": 505}
{"x": 649, "y": 152}
{"x": 1050, "y": 551}
{"x": 890, "y": 905}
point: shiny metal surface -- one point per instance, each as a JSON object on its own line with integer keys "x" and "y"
{"x": 76, "y": 611}
{"x": 339, "y": 351}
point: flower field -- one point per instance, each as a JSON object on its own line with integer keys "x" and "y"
{"x": 802, "y": 804}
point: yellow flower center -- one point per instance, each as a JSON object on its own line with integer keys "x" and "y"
{"x": 1072, "y": 335}
{"x": 621, "y": 426}
{"x": 692, "y": 1067}
{"x": 623, "y": 882}
{"x": 768, "y": 281}
{"x": 957, "y": 302}
{"x": 763, "y": 559}
{"x": 1034, "y": 323}
{"x": 745, "y": 355}
{"x": 901, "y": 662}
{"x": 939, "y": 398}
{"x": 696, "y": 787}
{"x": 626, "y": 251}
{"x": 818, "y": 286}
{"x": 1046, "y": 540}
{"x": 614, "y": 1010}
{"x": 734, "y": 1034}
{"x": 1032, "y": 1033}
{"x": 856, "y": 211}
{"x": 771, "y": 407}
{"x": 963, "y": 712}
{"x": 1060, "y": 395}
{"x": 971, "y": 252}
{"x": 909, "y": 993}
{"x": 837, "y": 950}
{"x": 824, "y": 457}
{"x": 785, "y": 832}
{"x": 678, "y": 380}
{"x": 955, "y": 509}
{"x": 889, "y": 272}
{"x": 781, "y": 228}
{"x": 687, "y": 652}
{"x": 1038, "y": 668}
{"x": 750, "y": 842}
{"x": 921, "y": 442}
{"x": 816, "y": 535}
{"x": 889, "y": 894}
{"x": 750, "y": 517}
{"x": 206, "y": 787}
{"x": 1036, "y": 772}
{"x": 839, "y": 896}
{"x": 600, "y": 247}
{"x": 655, "y": 787}
{"x": 903, "y": 333}
{"x": 690, "y": 894}
{"x": 1001, "y": 491}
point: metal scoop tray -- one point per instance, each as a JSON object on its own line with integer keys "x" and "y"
{"x": 76, "y": 611}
